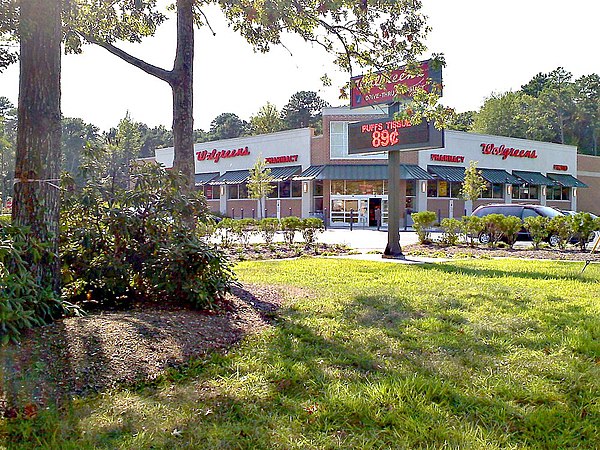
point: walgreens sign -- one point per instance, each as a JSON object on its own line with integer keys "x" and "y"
{"x": 505, "y": 152}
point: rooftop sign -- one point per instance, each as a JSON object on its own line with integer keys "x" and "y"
{"x": 383, "y": 85}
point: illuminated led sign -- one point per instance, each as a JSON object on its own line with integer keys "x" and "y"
{"x": 382, "y": 135}
{"x": 382, "y": 85}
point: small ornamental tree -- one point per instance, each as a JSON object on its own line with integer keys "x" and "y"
{"x": 511, "y": 226}
{"x": 494, "y": 227}
{"x": 259, "y": 183}
{"x": 474, "y": 184}
{"x": 472, "y": 226}
{"x": 538, "y": 229}
{"x": 268, "y": 227}
{"x": 583, "y": 226}
{"x": 422, "y": 221}
{"x": 562, "y": 228}
{"x": 289, "y": 226}
{"x": 310, "y": 228}
{"x": 452, "y": 229}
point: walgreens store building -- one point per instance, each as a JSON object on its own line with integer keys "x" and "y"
{"x": 315, "y": 175}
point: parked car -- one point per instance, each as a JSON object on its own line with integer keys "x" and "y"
{"x": 572, "y": 213}
{"x": 522, "y": 212}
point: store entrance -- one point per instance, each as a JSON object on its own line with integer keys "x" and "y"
{"x": 373, "y": 204}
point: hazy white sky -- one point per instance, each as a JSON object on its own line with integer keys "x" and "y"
{"x": 490, "y": 46}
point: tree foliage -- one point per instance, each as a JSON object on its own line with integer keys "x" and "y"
{"x": 303, "y": 110}
{"x": 259, "y": 183}
{"x": 227, "y": 126}
{"x": 266, "y": 120}
{"x": 473, "y": 185}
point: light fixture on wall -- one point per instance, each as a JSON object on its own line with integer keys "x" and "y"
{"x": 423, "y": 186}
{"x": 509, "y": 189}
{"x": 574, "y": 192}
{"x": 544, "y": 191}
{"x": 222, "y": 189}
{"x": 305, "y": 186}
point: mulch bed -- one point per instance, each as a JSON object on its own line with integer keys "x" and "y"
{"x": 528, "y": 252}
{"x": 80, "y": 355}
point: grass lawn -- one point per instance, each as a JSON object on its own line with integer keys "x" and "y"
{"x": 467, "y": 354}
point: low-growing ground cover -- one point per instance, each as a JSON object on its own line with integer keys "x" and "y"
{"x": 462, "y": 354}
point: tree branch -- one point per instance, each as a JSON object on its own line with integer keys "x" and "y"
{"x": 162, "y": 74}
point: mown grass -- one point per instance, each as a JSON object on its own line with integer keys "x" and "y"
{"x": 466, "y": 354}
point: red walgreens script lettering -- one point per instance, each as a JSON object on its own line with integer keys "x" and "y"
{"x": 216, "y": 155}
{"x": 505, "y": 152}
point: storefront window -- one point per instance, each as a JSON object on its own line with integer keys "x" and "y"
{"x": 243, "y": 189}
{"x": 410, "y": 188}
{"x": 318, "y": 188}
{"x": 432, "y": 188}
{"x": 492, "y": 190}
{"x": 455, "y": 189}
{"x": 296, "y": 189}
{"x": 275, "y": 192}
{"x": 443, "y": 189}
{"x": 232, "y": 192}
{"x": 338, "y": 138}
{"x": 525, "y": 191}
{"x": 285, "y": 189}
{"x": 337, "y": 187}
{"x": 558, "y": 193}
{"x": 353, "y": 188}
{"x": 211, "y": 192}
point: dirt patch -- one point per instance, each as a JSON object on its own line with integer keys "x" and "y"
{"x": 80, "y": 355}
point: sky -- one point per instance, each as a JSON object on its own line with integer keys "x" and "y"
{"x": 490, "y": 46}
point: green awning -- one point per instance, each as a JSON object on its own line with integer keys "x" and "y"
{"x": 232, "y": 177}
{"x": 566, "y": 180}
{"x": 533, "y": 178}
{"x": 413, "y": 172}
{"x": 204, "y": 178}
{"x": 499, "y": 176}
{"x": 357, "y": 172}
{"x": 311, "y": 173}
{"x": 448, "y": 173}
{"x": 284, "y": 173}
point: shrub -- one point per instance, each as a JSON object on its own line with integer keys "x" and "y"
{"x": 472, "y": 226}
{"x": 538, "y": 228}
{"x": 511, "y": 226}
{"x": 289, "y": 226}
{"x": 118, "y": 245}
{"x": 583, "y": 225}
{"x": 422, "y": 221}
{"x": 268, "y": 227}
{"x": 562, "y": 228}
{"x": 494, "y": 227}
{"x": 244, "y": 228}
{"x": 24, "y": 303}
{"x": 227, "y": 231}
{"x": 452, "y": 229}
{"x": 310, "y": 228}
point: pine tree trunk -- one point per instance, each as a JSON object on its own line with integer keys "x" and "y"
{"x": 182, "y": 86}
{"x": 36, "y": 198}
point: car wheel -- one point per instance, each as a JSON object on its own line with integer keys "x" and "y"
{"x": 553, "y": 240}
{"x": 484, "y": 238}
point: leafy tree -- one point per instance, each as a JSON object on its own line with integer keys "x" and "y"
{"x": 462, "y": 121}
{"x": 259, "y": 183}
{"x": 303, "y": 110}
{"x": 474, "y": 183}
{"x": 36, "y": 200}
{"x": 266, "y": 120}
{"x": 502, "y": 115}
{"x": 536, "y": 85}
{"x": 153, "y": 138}
{"x": 378, "y": 34}
{"x": 76, "y": 135}
{"x": 8, "y": 132}
{"x": 227, "y": 126}
{"x": 587, "y": 99}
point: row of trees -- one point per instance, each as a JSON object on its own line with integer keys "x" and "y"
{"x": 136, "y": 139}
{"x": 551, "y": 107}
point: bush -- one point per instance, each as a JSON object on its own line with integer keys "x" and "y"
{"x": 583, "y": 225}
{"x": 472, "y": 226}
{"x": 511, "y": 226}
{"x": 562, "y": 228}
{"x": 493, "y": 226}
{"x": 422, "y": 221}
{"x": 268, "y": 227}
{"x": 538, "y": 228}
{"x": 452, "y": 229}
{"x": 289, "y": 226}
{"x": 244, "y": 228}
{"x": 118, "y": 245}
{"x": 24, "y": 303}
{"x": 310, "y": 228}
{"x": 227, "y": 231}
